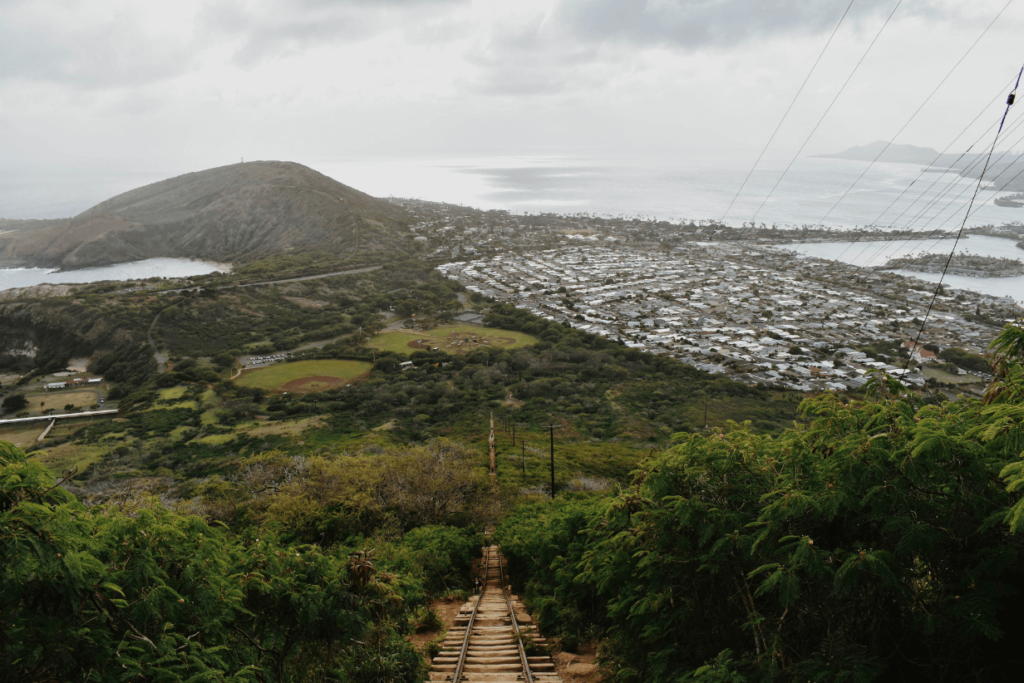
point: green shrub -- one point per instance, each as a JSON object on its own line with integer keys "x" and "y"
{"x": 433, "y": 647}
{"x": 426, "y": 619}
{"x": 786, "y": 556}
{"x": 115, "y": 597}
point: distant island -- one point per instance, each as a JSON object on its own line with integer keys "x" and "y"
{"x": 961, "y": 264}
{"x": 900, "y": 154}
{"x": 998, "y": 176}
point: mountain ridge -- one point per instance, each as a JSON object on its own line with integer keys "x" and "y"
{"x": 236, "y": 213}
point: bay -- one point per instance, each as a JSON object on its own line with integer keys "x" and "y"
{"x": 829, "y": 192}
{"x": 873, "y": 254}
{"x": 134, "y": 270}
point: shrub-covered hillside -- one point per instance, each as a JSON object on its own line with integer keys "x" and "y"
{"x": 879, "y": 542}
{"x": 133, "y": 591}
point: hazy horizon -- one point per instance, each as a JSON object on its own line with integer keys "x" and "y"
{"x": 109, "y": 86}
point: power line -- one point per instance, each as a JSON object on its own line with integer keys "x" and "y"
{"x": 885, "y": 244}
{"x": 900, "y": 131}
{"x": 1009, "y": 103}
{"x": 914, "y": 115}
{"x": 788, "y": 109}
{"x": 941, "y": 154}
{"x": 831, "y": 104}
{"x": 878, "y": 252}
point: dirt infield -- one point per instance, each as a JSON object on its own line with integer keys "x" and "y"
{"x": 461, "y": 343}
{"x": 452, "y": 339}
{"x": 306, "y": 385}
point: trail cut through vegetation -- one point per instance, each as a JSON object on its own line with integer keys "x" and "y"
{"x": 493, "y": 638}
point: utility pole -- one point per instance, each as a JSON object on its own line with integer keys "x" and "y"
{"x": 524, "y": 460}
{"x": 490, "y": 443}
{"x": 551, "y": 427}
{"x": 513, "y": 435}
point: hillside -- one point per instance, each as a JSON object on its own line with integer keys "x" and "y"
{"x": 235, "y": 213}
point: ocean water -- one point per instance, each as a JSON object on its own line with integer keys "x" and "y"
{"x": 870, "y": 254}
{"x": 154, "y": 267}
{"x": 828, "y": 192}
{"x": 831, "y": 193}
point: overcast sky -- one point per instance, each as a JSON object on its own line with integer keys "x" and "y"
{"x": 195, "y": 83}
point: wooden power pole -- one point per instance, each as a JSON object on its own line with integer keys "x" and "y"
{"x": 551, "y": 427}
{"x": 490, "y": 443}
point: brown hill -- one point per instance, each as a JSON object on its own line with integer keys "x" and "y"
{"x": 235, "y": 213}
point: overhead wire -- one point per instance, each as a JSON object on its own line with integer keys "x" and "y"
{"x": 890, "y": 245}
{"x": 914, "y": 115}
{"x": 887, "y": 244}
{"x": 956, "y": 199}
{"x": 927, "y": 168}
{"x": 981, "y": 179}
{"x": 889, "y": 143}
{"x": 828, "y": 109}
{"x": 786, "y": 114}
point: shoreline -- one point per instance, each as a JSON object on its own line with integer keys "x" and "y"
{"x": 29, "y": 277}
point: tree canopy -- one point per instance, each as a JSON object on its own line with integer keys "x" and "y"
{"x": 879, "y": 541}
{"x": 102, "y": 594}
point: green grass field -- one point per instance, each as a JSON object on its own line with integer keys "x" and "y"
{"x": 56, "y": 400}
{"x": 304, "y": 376}
{"x": 451, "y": 338}
{"x": 69, "y": 456}
{"x": 943, "y": 376}
{"x": 22, "y": 435}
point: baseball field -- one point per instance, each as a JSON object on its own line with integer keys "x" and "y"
{"x": 305, "y": 376}
{"x": 450, "y": 338}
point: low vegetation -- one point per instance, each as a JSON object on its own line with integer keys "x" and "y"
{"x": 452, "y": 339}
{"x": 879, "y": 541}
{"x": 132, "y": 589}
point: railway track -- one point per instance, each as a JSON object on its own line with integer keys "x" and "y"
{"x": 489, "y": 641}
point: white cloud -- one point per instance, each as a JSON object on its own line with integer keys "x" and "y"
{"x": 196, "y": 82}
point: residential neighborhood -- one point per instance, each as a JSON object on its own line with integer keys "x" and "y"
{"x": 754, "y": 312}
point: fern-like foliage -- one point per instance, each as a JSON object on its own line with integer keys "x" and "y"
{"x": 879, "y": 539}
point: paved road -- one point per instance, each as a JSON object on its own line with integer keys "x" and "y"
{"x": 278, "y": 282}
{"x": 308, "y": 277}
{"x": 90, "y": 413}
